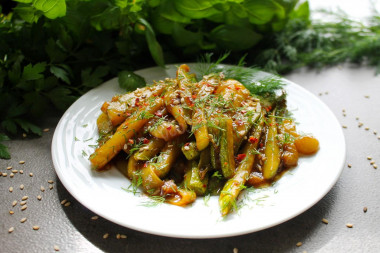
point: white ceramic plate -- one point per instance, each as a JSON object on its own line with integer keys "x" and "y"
{"x": 102, "y": 193}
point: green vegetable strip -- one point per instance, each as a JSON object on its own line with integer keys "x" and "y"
{"x": 193, "y": 179}
{"x": 232, "y": 188}
{"x": 272, "y": 150}
{"x": 227, "y": 160}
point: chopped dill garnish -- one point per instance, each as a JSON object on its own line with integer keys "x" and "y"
{"x": 153, "y": 201}
{"x": 206, "y": 198}
{"x": 217, "y": 175}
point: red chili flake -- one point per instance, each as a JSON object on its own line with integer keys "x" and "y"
{"x": 194, "y": 96}
{"x": 158, "y": 114}
{"x": 237, "y": 88}
{"x": 225, "y": 163}
{"x": 191, "y": 105}
{"x": 127, "y": 114}
{"x": 252, "y": 139}
{"x": 261, "y": 145}
{"x": 239, "y": 122}
{"x": 187, "y": 143}
{"x": 145, "y": 141}
{"x": 268, "y": 108}
{"x": 131, "y": 141}
{"x": 169, "y": 128}
{"x": 137, "y": 102}
{"x": 145, "y": 165}
{"x": 240, "y": 157}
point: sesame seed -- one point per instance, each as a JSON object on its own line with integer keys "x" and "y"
{"x": 21, "y": 172}
{"x": 9, "y": 168}
{"x": 343, "y": 110}
{"x": 378, "y": 137}
{"x": 344, "y": 126}
{"x": 374, "y": 166}
{"x": 39, "y": 197}
{"x": 21, "y": 162}
{"x": 374, "y": 132}
{"x": 123, "y": 236}
{"x": 11, "y": 189}
{"x": 56, "y": 248}
{"x": 23, "y": 220}
{"x": 63, "y": 201}
{"x": 22, "y": 203}
{"x": 11, "y": 175}
{"x": 105, "y": 236}
{"x": 36, "y": 227}
{"x": 4, "y": 174}
{"x": 67, "y": 203}
{"x": 11, "y": 212}
{"x": 349, "y": 165}
{"x": 46, "y": 130}
{"x": 31, "y": 174}
{"x": 349, "y": 225}
{"x": 367, "y": 128}
{"x": 11, "y": 229}
{"x": 326, "y": 92}
{"x": 360, "y": 124}
{"x": 118, "y": 236}
{"x": 42, "y": 188}
{"x": 325, "y": 221}
{"x": 320, "y": 94}
{"x": 365, "y": 209}
{"x": 299, "y": 244}
{"x": 51, "y": 187}
{"x": 366, "y": 96}
{"x": 235, "y": 250}
{"x": 21, "y": 187}
{"x": 14, "y": 171}
{"x": 369, "y": 158}
{"x": 23, "y": 208}
{"x": 14, "y": 203}
{"x": 372, "y": 162}
{"x": 357, "y": 118}
{"x": 24, "y": 198}
{"x": 50, "y": 181}
{"x": 94, "y": 217}
{"x": 344, "y": 115}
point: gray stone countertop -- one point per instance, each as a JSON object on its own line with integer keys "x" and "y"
{"x": 353, "y": 90}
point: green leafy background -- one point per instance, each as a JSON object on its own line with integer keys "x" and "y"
{"x": 52, "y": 51}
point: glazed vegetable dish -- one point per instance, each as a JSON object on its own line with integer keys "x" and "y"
{"x": 181, "y": 138}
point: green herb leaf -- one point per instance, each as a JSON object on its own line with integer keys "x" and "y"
{"x": 4, "y": 152}
{"x": 33, "y": 72}
{"x": 130, "y": 81}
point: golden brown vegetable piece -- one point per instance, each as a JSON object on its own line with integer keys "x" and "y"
{"x": 104, "y": 124}
{"x": 272, "y": 150}
{"x": 290, "y": 155}
{"x": 125, "y": 131}
{"x": 182, "y": 198}
{"x": 307, "y": 144}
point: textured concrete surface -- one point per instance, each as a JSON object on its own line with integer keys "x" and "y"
{"x": 355, "y": 90}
